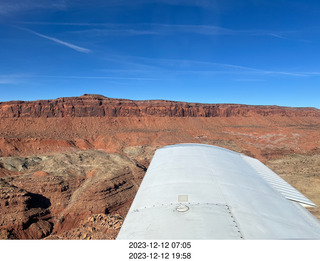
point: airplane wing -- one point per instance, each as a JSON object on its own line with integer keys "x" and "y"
{"x": 197, "y": 191}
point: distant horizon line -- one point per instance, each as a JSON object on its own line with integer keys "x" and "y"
{"x": 164, "y": 100}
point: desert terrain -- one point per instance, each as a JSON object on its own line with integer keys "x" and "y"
{"x": 70, "y": 167}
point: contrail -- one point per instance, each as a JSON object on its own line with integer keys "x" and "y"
{"x": 72, "y": 46}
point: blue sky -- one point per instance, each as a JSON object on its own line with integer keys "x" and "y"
{"x": 263, "y": 52}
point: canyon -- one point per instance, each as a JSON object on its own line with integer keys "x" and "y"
{"x": 70, "y": 167}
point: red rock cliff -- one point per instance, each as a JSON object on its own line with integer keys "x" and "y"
{"x": 100, "y": 106}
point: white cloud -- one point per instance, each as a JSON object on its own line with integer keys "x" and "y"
{"x": 8, "y": 7}
{"x": 93, "y": 77}
{"x": 7, "y": 81}
{"x": 199, "y": 3}
{"x": 72, "y": 46}
{"x": 185, "y": 66}
{"x": 102, "y": 29}
{"x": 10, "y": 78}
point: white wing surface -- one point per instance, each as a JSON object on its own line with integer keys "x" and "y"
{"x": 196, "y": 191}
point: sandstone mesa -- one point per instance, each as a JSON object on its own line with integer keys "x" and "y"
{"x": 70, "y": 167}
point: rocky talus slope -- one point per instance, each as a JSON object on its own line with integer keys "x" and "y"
{"x": 70, "y": 167}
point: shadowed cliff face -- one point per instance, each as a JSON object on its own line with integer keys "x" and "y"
{"x": 70, "y": 167}
{"x": 53, "y": 194}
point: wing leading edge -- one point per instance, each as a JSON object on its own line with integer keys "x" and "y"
{"x": 196, "y": 191}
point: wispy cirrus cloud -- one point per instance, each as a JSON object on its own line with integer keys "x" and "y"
{"x": 6, "y": 79}
{"x": 185, "y": 66}
{"x": 98, "y": 32}
{"x": 102, "y": 29}
{"x": 93, "y": 77}
{"x": 56, "y": 40}
{"x": 18, "y": 78}
{"x": 196, "y": 3}
{"x": 8, "y": 7}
